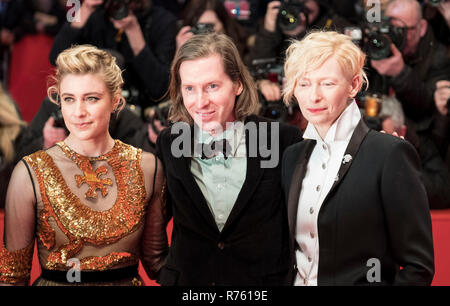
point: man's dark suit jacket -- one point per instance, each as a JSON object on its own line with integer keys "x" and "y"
{"x": 376, "y": 209}
{"x": 252, "y": 248}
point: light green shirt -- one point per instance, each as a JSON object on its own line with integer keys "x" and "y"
{"x": 220, "y": 179}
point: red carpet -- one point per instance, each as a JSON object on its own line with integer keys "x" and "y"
{"x": 441, "y": 236}
{"x": 36, "y": 269}
{"x": 28, "y": 73}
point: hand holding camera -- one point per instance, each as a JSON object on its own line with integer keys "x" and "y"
{"x": 391, "y": 66}
{"x": 270, "y": 20}
{"x": 85, "y": 11}
{"x": 442, "y": 97}
{"x": 52, "y": 133}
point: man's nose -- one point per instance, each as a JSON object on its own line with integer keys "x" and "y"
{"x": 202, "y": 99}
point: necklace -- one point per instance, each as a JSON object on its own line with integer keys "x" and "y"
{"x": 90, "y": 176}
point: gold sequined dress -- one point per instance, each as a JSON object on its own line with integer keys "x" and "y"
{"x": 90, "y": 213}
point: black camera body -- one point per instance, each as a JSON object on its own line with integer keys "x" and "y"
{"x": 116, "y": 9}
{"x": 270, "y": 69}
{"x": 59, "y": 119}
{"x": 288, "y": 15}
{"x": 375, "y": 38}
{"x": 202, "y": 28}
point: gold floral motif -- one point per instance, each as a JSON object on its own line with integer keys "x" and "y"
{"x": 92, "y": 178}
{"x": 77, "y": 221}
{"x": 15, "y": 266}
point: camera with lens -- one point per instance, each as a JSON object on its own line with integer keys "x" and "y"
{"x": 202, "y": 28}
{"x": 59, "y": 120}
{"x": 117, "y": 9}
{"x": 289, "y": 14}
{"x": 376, "y": 38}
{"x": 270, "y": 69}
{"x": 159, "y": 112}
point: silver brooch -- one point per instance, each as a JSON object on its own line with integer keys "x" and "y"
{"x": 347, "y": 158}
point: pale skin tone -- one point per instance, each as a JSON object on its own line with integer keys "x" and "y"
{"x": 86, "y": 106}
{"x": 208, "y": 92}
{"x": 323, "y": 94}
{"x": 129, "y": 25}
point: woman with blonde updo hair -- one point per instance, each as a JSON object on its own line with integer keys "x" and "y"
{"x": 11, "y": 129}
{"x": 357, "y": 208}
{"x": 95, "y": 201}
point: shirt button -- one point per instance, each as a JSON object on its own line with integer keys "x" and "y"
{"x": 324, "y": 146}
{"x": 217, "y": 158}
{"x": 311, "y": 210}
{"x": 221, "y": 245}
{"x": 324, "y": 166}
{"x": 305, "y": 281}
{"x": 312, "y": 235}
{"x": 318, "y": 188}
{"x": 309, "y": 259}
{"x": 220, "y": 216}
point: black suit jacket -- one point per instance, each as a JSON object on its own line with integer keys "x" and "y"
{"x": 252, "y": 248}
{"x": 376, "y": 209}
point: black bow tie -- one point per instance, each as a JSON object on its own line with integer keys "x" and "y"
{"x": 211, "y": 149}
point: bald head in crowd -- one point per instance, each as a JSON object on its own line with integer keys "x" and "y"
{"x": 408, "y": 13}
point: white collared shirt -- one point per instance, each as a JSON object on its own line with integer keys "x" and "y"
{"x": 321, "y": 172}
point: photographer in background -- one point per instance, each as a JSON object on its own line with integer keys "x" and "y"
{"x": 435, "y": 175}
{"x": 413, "y": 71}
{"x": 204, "y": 16}
{"x": 142, "y": 33}
{"x": 273, "y": 38}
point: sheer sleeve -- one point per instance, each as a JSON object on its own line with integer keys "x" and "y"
{"x": 16, "y": 253}
{"x": 154, "y": 245}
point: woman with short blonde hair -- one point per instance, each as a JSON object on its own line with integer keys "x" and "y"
{"x": 311, "y": 52}
{"x": 355, "y": 198}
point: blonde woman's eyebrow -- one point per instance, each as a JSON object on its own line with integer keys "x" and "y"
{"x": 93, "y": 93}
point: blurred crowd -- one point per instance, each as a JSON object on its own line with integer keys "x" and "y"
{"x": 407, "y": 43}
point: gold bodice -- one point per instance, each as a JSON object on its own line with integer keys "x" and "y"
{"x": 69, "y": 221}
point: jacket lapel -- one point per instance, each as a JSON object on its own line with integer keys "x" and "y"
{"x": 296, "y": 183}
{"x": 253, "y": 177}
{"x": 357, "y": 138}
{"x": 183, "y": 166}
